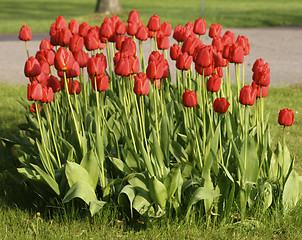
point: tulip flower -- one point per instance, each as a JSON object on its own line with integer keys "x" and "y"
{"x": 60, "y": 23}
{"x": 188, "y": 30}
{"x": 74, "y": 26}
{"x": 25, "y": 33}
{"x": 264, "y": 90}
{"x": 236, "y": 53}
{"x": 142, "y": 33}
{"x": 76, "y": 43}
{"x": 54, "y": 83}
{"x": 286, "y": 117}
{"x": 166, "y": 29}
{"x": 217, "y": 44}
{"x": 32, "y": 108}
{"x": 83, "y": 29}
{"x": 64, "y": 36}
{"x": 189, "y": 98}
{"x": 200, "y": 26}
{"x": 190, "y": 44}
{"x": 261, "y": 74}
{"x": 175, "y": 50}
{"x": 155, "y": 70}
{"x": 178, "y": 33}
{"x": 214, "y": 83}
{"x": 45, "y": 45}
{"x": 257, "y": 63}
{"x": 102, "y": 82}
{"x": 205, "y": 56}
{"x": 96, "y": 65}
{"x": 215, "y": 30}
{"x": 47, "y": 95}
{"x": 64, "y": 59}
{"x": 81, "y": 57}
{"x": 106, "y": 29}
{"x": 220, "y": 105}
{"x": 123, "y": 66}
{"x": 34, "y": 91}
{"x": 120, "y": 28}
{"x": 184, "y": 61}
{"x": 133, "y": 28}
{"x": 32, "y": 67}
{"x": 128, "y": 47}
{"x": 91, "y": 41}
{"x": 247, "y": 95}
{"x": 133, "y": 16}
{"x": 162, "y": 42}
{"x": 74, "y": 87}
{"x": 141, "y": 84}
{"x": 154, "y": 23}
{"x": 244, "y": 42}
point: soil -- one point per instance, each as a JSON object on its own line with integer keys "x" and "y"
{"x": 281, "y": 47}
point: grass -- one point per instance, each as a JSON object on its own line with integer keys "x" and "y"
{"x": 18, "y": 206}
{"x": 40, "y": 14}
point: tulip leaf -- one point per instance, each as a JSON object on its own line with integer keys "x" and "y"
{"x": 201, "y": 193}
{"x": 267, "y": 192}
{"x": 81, "y": 190}
{"x": 159, "y": 156}
{"x": 139, "y": 182}
{"x": 292, "y": 190}
{"x": 173, "y": 181}
{"x": 120, "y": 165}
{"x": 76, "y": 173}
{"x": 48, "y": 179}
{"x": 128, "y": 191}
{"x": 178, "y": 152}
{"x": 95, "y": 206}
{"x": 29, "y": 173}
{"x": 164, "y": 137}
{"x": 287, "y": 164}
{"x": 141, "y": 203}
{"x": 158, "y": 192}
{"x": 146, "y": 159}
{"x": 90, "y": 163}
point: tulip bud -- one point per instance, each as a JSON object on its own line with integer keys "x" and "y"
{"x": 25, "y": 33}
{"x": 286, "y": 117}
{"x": 214, "y": 83}
{"x": 189, "y": 98}
{"x": 220, "y": 105}
{"x": 247, "y": 95}
{"x": 141, "y": 84}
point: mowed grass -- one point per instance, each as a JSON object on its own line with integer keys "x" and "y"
{"x": 19, "y": 206}
{"x": 40, "y": 14}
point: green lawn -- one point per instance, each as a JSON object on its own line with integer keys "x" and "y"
{"x": 40, "y": 14}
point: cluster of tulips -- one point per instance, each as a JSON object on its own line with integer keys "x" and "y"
{"x": 131, "y": 135}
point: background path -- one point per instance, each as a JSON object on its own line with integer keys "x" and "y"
{"x": 281, "y": 47}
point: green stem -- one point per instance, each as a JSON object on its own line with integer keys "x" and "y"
{"x": 141, "y": 53}
{"x": 155, "y": 108}
{"x": 283, "y": 162}
{"x": 26, "y": 49}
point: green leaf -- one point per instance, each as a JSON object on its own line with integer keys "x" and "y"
{"x": 159, "y": 156}
{"x": 201, "y": 193}
{"x": 164, "y": 136}
{"x": 158, "y": 192}
{"x": 48, "y": 179}
{"x": 129, "y": 191}
{"x": 178, "y": 152}
{"x": 29, "y": 174}
{"x": 146, "y": 159}
{"x": 95, "y": 206}
{"x": 267, "y": 192}
{"x": 292, "y": 190}
{"x": 90, "y": 163}
{"x": 120, "y": 165}
{"x": 76, "y": 173}
{"x": 141, "y": 203}
{"x": 81, "y": 190}
{"x": 173, "y": 181}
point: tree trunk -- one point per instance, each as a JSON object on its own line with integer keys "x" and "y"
{"x": 108, "y": 6}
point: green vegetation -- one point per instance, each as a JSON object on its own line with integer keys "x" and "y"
{"x": 18, "y": 206}
{"x": 230, "y": 13}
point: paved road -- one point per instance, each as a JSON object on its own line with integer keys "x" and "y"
{"x": 281, "y": 47}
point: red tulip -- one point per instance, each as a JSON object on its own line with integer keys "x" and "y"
{"x": 190, "y": 44}
{"x": 133, "y": 16}
{"x": 215, "y": 30}
{"x": 120, "y": 28}
{"x": 286, "y": 117}
{"x": 214, "y": 83}
{"x": 184, "y": 61}
{"x": 228, "y": 38}
{"x": 175, "y": 50}
{"x": 247, "y": 95}
{"x": 91, "y": 41}
{"x": 96, "y": 65}
{"x": 32, "y": 67}
{"x": 83, "y": 29}
{"x": 257, "y": 63}
{"x": 189, "y": 98}
{"x": 133, "y": 28}
{"x": 123, "y": 66}
{"x": 236, "y": 53}
{"x": 54, "y": 83}
{"x": 32, "y": 108}
{"x": 219, "y": 60}
{"x": 102, "y": 82}
{"x": 74, "y": 71}
{"x": 244, "y": 42}
{"x": 47, "y": 95}
{"x": 119, "y": 42}
{"x": 25, "y": 33}
{"x": 154, "y": 23}
{"x": 64, "y": 37}
{"x": 76, "y": 43}
{"x": 60, "y": 23}
{"x": 128, "y": 47}
{"x": 81, "y": 57}
{"x": 74, "y": 26}
{"x": 106, "y": 29}
{"x": 188, "y": 30}
{"x": 142, "y": 33}
{"x": 163, "y": 42}
{"x": 45, "y": 67}
{"x": 220, "y": 105}
{"x": 200, "y": 26}
{"x": 54, "y": 38}
{"x": 166, "y": 29}
{"x": 141, "y": 84}
{"x": 178, "y": 33}
{"x": 205, "y": 56}
{"x": 74, "y": 87}
{"x": 34, "y": 91}
{"x": 217, "y": 44}
{"x": 261, "y": 75}
{"x": 264, "y": 90}
{"x": 64, "y": 59}
{"x": 45, "y": 44}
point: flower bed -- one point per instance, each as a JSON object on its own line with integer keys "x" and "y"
{"x": 129, "y": 136}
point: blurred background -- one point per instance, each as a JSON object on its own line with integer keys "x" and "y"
{"x": 40, "y": 14}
